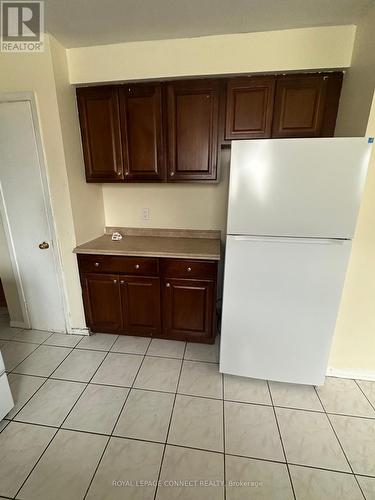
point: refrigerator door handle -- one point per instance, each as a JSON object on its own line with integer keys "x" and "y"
{"x": 290, "y": 239}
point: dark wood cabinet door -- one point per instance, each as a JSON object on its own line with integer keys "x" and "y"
{"x": 306, "y": 105}
{"x": 249, "y": 107}
{"x": 193, "y": 119}
{"x": 142, "y": 138}
{"x": 188, "y": 309}
{"x": 101, "y": 137}
{"x": 140, "y": 299}
{"x": 101, "y": 297}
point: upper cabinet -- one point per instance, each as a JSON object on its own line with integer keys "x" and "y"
{"x": 142, "y": 132}
{"x": 172, "y": 131}
{"x": 306, "y": 105}
{"x": 100, "y": 128}
{"x": 193, "y": 122}
{"x": 249, "y": 107}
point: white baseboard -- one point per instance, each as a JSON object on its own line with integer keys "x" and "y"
{"x": 17, "y": 324}
{"x": 357, "y": 374}
{"x": 79, "y": 331}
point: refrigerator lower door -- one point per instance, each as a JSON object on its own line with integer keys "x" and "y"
{"x": 6, "y": 399}
{"x": 280, "y": 302}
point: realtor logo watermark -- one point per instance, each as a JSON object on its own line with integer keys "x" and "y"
{"x": 22, "y": 26}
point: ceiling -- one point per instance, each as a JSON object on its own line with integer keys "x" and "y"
{"x": 77, "y": 23}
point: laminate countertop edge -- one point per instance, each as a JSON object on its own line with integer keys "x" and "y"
{"x": 151, "y": 246}
{"x": 202, "y": 256}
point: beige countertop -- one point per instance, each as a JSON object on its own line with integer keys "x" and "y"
{"x": 186, "y": 244}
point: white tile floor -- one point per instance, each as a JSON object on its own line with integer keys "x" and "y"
{"x": 110, "y": 417}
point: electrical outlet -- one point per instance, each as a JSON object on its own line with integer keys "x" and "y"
{"x": 146, "y": 214}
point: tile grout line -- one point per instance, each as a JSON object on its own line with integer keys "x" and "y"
{"x": 87, "y": 384}
{"x": 18, "y": 364}
{"x": 196, "y": 395}
{"x": 165, "y": 444}
{"x": 281, "y": 440}
{"x": 169, "y": 425}
{"x": 115, "y": 424}
{"x": 363, "y": 392}
{"x": 341, "y": 446}
{"x": 39, "y": 376}
{"x": 36, "y": 463}
{"x": 315, "y": 467}
{"x": 57, "y": 429}
{"x": 49, "y": 377}
{"x": 256, "y": 458}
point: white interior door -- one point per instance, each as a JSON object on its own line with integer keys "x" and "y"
{"x": 281, "y": 297}
{"x": 25, "y": 204}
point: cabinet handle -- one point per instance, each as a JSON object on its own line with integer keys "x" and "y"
{"x": 96, "y": 264}
{"x": 122, "y": 282}
{"x": 188, "y": 269}
{"x": 168, "y": 285}
{"x": 114, "y": 281}
{"x": 137, "y": 266}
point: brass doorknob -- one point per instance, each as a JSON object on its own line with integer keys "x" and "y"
{"x": 44, "y": 245}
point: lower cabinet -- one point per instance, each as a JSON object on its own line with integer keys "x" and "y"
{"x": 188, "y": 306}
{"x": 177, "y": 302}
{"x": 102, "y": 302}
{"x": 140, "y": 299}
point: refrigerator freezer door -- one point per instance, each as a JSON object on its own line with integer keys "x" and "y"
{"x": 297, "y": 187}
{"x": 281, "y": 297}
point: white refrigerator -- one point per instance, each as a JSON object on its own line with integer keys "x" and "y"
{"x": 6, "y": 399}
{"x": 292, "y": 211}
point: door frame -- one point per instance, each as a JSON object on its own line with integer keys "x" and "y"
{"x": 30, "y": 97}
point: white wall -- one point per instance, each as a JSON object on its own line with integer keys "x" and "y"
{"x": 86, "y": 199}
{"x": 359, "y": 83}
{"x": 192, "y": 205}
{"x": 77, "y": 206}
{"x": 179, "y": 206}
{"x": 35, "y": 72}
{"x": 353, "y": 350}
{"x": 286, "y": 50}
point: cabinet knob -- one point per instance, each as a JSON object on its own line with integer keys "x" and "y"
{"x": 171, "y": 174}
{"x": 96, "y": 264}
{"x": 114, "y": 281}
{"x": 188, "y": 269}
{"x": 137, "y": 266}
{"x": 168, "y": 285}
{"x": 126, "y": 173}
{"x": 122, "y": 282}
{"x": 119, "y": 173}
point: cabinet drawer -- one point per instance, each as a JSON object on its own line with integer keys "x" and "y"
{"x": 141, "y": 266}
{"x": 182, "y": 268}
